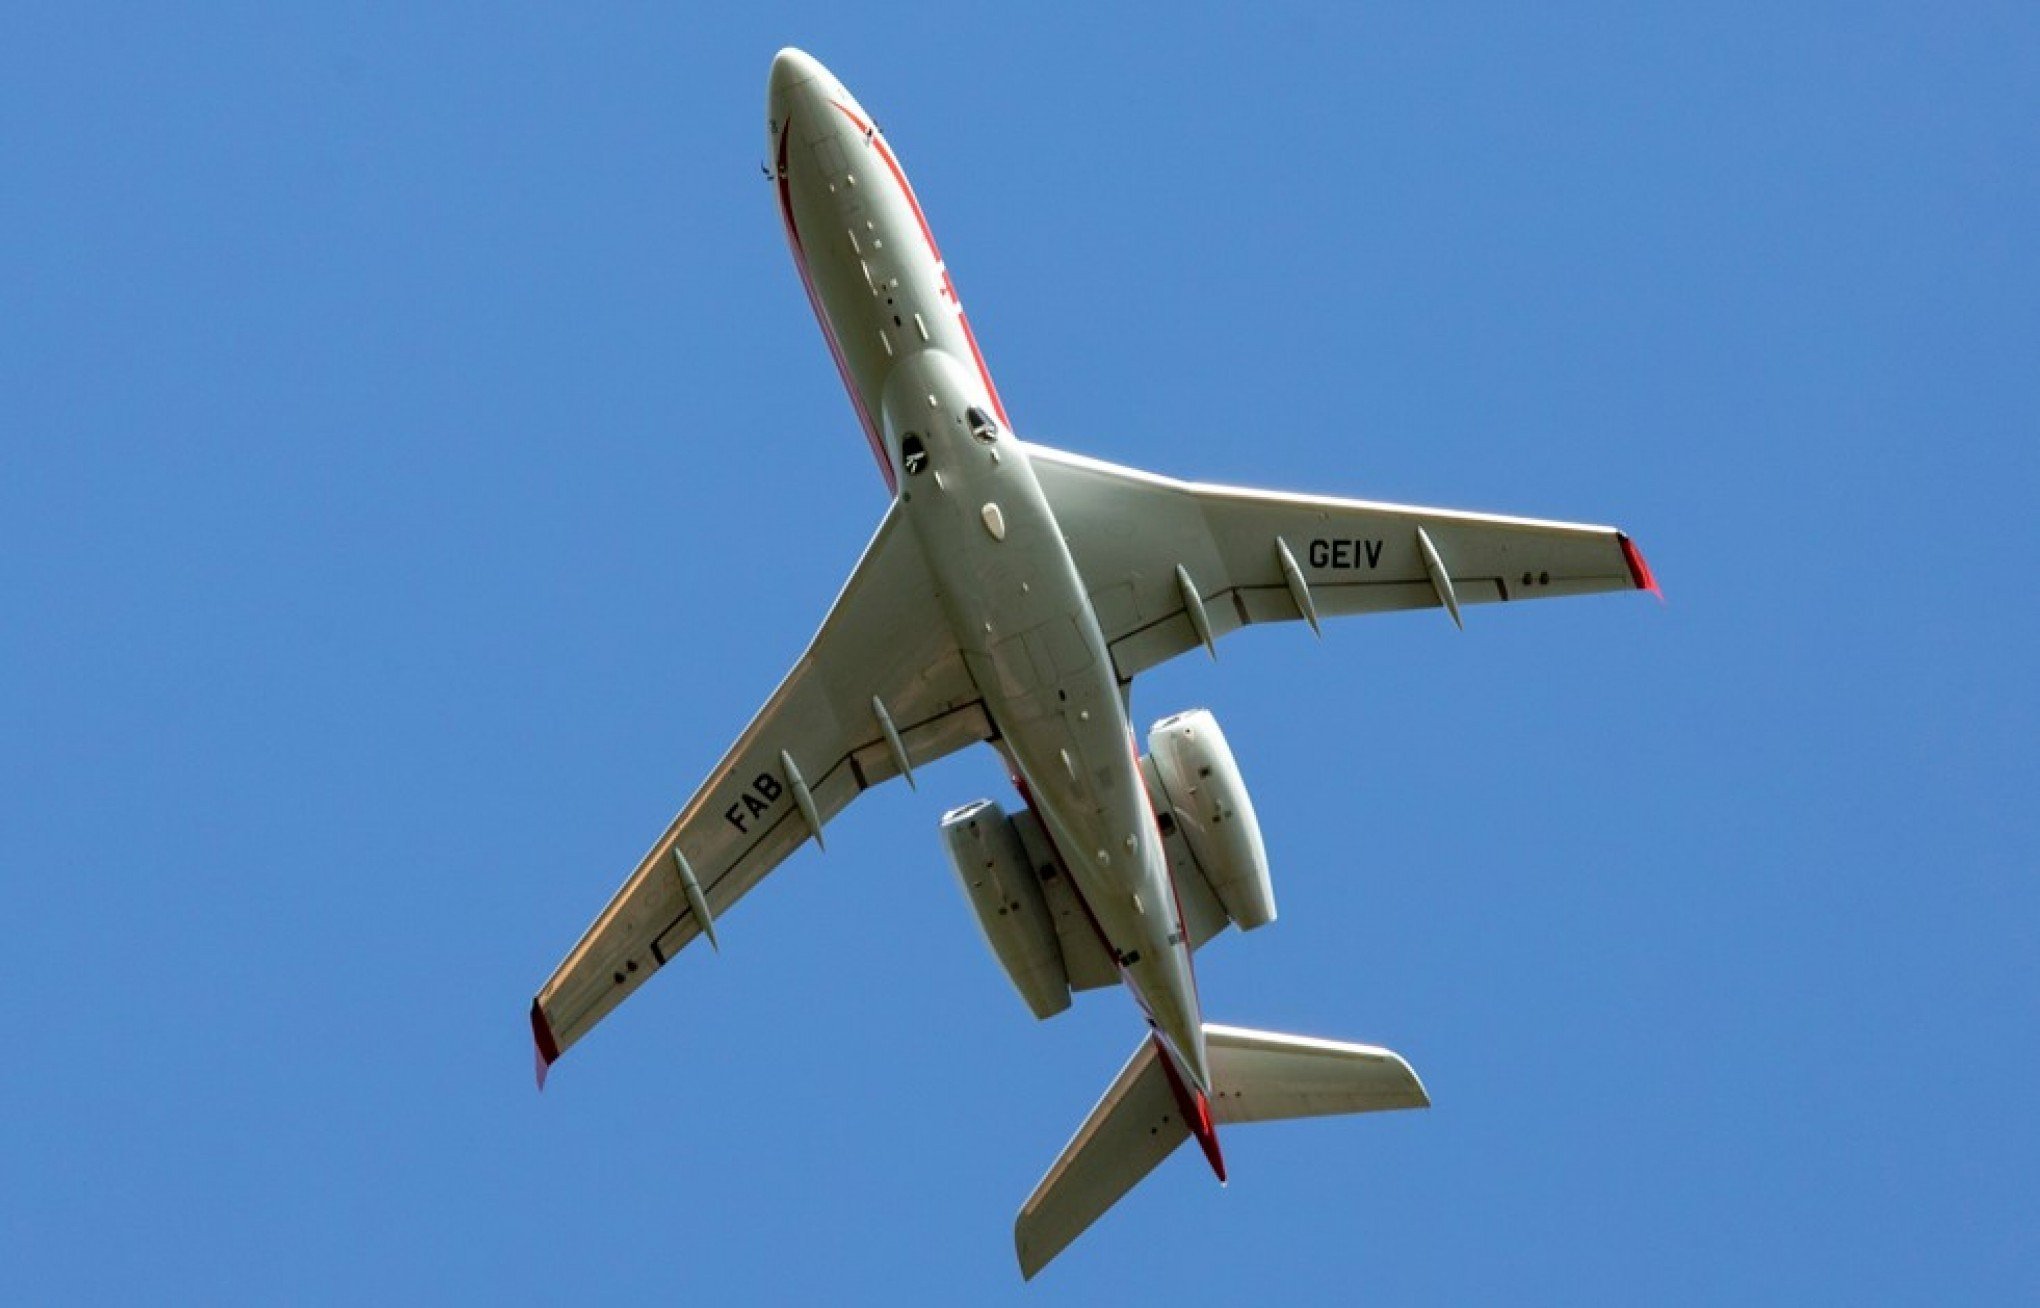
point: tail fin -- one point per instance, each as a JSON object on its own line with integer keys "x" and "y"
{"x": 1257, "y": 1076}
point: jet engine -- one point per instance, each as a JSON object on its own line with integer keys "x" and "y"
{"x": 1202, "y": 805}
{"x": 1032, "y": 916}
{"x": 1004, "y": 891}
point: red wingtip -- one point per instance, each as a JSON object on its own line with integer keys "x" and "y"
{"x": 545, "y": 1051}
{"x": 1639, "y": 571}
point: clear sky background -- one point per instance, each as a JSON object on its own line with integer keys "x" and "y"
{"x": 418, "y": 460}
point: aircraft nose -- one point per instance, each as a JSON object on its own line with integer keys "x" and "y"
{"x": 791, "y": 68}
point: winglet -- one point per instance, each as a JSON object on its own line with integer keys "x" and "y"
{"x": 545, "y": 1051}
{"x": 1639, "y": 571}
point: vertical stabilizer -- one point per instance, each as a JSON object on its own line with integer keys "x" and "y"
{"x": 1257, "y": 1076}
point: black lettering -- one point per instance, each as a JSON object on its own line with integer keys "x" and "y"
{"x": 1320, "y": 553}
{"x": 730, "y": 815}
{"x": 1373, "y": 552}
{"x": 753, "y": 806}
{"x": 767, "y": 787}
{"x": 1341, "y": 557}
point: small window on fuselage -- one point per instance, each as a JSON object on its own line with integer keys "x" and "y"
{"x": 981, "y": 424}
{"x": 913, "y": 454}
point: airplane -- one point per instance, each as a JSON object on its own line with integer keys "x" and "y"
{"x": 1011, "y": 594}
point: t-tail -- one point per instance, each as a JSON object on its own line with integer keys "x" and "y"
{"x": 1149, "y": 1109}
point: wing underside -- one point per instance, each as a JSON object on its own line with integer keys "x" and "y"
{"x": 1169, "y": 565}
{"x": 1172, "y": 565}
{"x": 881, "y": 687}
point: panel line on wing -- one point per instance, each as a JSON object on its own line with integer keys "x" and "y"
{"x": 771, "y": 827}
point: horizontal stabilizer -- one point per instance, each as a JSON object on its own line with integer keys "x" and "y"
{"x": 1257, "y": 1076}
{"x": 1134, "y": 1127}
{"x": 1262, "y": 1076}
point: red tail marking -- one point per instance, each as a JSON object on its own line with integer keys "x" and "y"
{"x": 1196, "y": 1111}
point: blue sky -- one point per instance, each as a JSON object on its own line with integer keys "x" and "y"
{"x": 419, "y": 462}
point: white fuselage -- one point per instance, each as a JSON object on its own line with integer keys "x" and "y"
{"x": 1007, "y": 582}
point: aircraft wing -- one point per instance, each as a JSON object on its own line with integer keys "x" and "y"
{"x": 882, "y": 686}
{"x": 1171, "y": 565}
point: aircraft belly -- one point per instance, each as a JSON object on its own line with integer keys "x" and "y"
{"x": 1015, "y": 599}
{"x": 1020, "y": 614}
{"x": 1017, "y": 605}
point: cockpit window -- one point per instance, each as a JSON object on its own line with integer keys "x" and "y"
{"x": 981, "y": 424}
{"x": 913, "y": 454}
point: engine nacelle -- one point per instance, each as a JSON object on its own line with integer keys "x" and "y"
{"x": 1006, "y": 895}
{"x": 1200, "y": 800}
{"x": 1034, "y": 919}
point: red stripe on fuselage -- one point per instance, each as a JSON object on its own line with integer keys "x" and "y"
{"x": 807, "y": 281}
{"x": 977, "y": 357}
{"x": 899, "y": 175}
